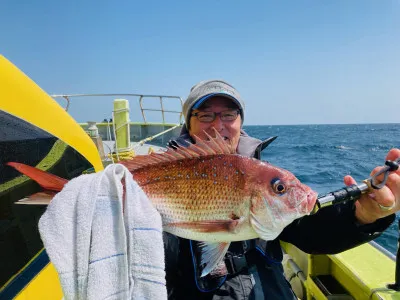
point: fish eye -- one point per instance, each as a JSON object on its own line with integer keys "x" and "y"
{"x": 278, "y": 186}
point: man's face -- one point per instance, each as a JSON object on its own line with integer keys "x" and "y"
{"x": 230, "y": 130}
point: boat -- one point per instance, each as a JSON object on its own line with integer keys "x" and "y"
{"x": 37, "y": 130}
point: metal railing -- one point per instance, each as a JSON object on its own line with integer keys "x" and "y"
{"x": 383, "y": 250}
{"x": 141, "y": 98}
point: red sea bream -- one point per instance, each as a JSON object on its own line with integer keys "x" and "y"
{"x": 206, "y": 192}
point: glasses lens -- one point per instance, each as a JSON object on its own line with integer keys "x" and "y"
{"x": 229, "y": 115}
{"x": 206, "y": 117}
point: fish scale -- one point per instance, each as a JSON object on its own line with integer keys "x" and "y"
{"x": 195, "y": 193}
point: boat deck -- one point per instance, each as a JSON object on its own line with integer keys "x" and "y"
{"x": 137, "y": 147}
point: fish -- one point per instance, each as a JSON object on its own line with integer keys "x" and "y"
{"x": 206, "y": 192}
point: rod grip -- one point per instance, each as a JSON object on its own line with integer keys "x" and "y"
{"x": 348, "y": 193}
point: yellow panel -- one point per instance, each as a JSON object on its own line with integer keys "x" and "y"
{"x": 313, "y": 292}
{"x": 351, "y": 283}
{"x": 318, "y": 265}
{"x": 365, "y": 269}
{"x": 297, "y": 255}
{"x": 21, "y": 97}
{"x": 44, "y": 286}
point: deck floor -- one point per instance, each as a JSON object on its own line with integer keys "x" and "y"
{"x": 139, "y": 149}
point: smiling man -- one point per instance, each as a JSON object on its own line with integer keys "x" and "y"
{"x": 214, "y": 104}
{"x": 217, "y": 104}
{"x": 253, "y": 269}
{"x": 223, "y": 115}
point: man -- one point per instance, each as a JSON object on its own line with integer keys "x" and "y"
{"x": 253, "y": 269}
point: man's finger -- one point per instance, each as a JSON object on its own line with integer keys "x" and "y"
{"x": 384, "y": 196}
{"x": 348, "y": 180}
{"x": 393, "y": 154}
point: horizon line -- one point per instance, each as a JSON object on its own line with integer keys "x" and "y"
{"x": 306, "y": 124}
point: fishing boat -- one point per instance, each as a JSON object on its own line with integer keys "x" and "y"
{"x": 37, "y": 130}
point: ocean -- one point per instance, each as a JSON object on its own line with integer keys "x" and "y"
{"x": 321, "y": 155}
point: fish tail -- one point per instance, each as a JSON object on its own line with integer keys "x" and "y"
{"x": 44, "y": 179}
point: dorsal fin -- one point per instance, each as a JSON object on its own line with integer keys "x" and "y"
{"x": 212, "y": 146}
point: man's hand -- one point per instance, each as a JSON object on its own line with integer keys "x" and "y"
{"x": 380, "y": 203}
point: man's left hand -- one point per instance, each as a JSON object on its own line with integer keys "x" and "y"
{"x": 377, "y": 204}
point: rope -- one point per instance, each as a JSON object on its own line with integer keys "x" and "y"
{"x": 126, "y": 155}
{"x": 140, "y": 143}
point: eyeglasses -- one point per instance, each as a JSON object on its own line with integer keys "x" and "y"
{"x": 209, "y": 116}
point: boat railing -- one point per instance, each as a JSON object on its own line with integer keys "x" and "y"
{"x": 383, "y": 250}
{"x": 141, "y": 98}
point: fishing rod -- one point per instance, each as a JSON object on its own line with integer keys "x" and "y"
{"x": 354, "y": 192}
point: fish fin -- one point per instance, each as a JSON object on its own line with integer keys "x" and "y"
{"x": 266, "y": 143}
{"x": 211, "y": 255}
{"x": 42, "y": 198}
{"x": 212, "y": 146}
{"x": 210, "y": 225}
{"x": 44, "y": 179}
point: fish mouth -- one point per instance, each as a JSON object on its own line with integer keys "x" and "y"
{"x": 311, "y": 200}
{"x": 308, "y": 203}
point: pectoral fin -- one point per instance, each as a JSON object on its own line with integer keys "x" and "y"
{"x": 42, "y": 198}
{"x": 211, "y": 255}
{"x": 209, "y": 226}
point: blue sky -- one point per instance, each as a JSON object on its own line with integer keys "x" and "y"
{"x": 294, "y": 62}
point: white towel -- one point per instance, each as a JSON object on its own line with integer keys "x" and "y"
{"x": 104, "y": 243}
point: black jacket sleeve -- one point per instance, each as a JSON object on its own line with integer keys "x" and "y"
{"x": 332, "y": 230}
